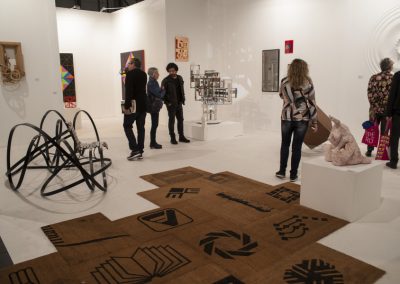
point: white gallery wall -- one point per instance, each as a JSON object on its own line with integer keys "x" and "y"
{"x": 341, "y": 40}
{"x": 33, "y": 23}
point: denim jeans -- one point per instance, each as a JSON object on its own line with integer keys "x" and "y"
{"x": 298, "y": 130}
{"x": 175, "y": 111}
{"x": 140, "y": 119}
{"x": 154, "y": 125}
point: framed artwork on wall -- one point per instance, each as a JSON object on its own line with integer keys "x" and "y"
{"x": 68, "y": 80}
{"x": 270, "y": 70}
{"x": 125, "y": 58}
{"x": 289, "y": 46}
{"x": 181, "y": 49}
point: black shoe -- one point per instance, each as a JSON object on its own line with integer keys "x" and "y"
{"x": 391, "y": 165}
{"x": 155, "y": 146}
{"x": 184, "y": 139}
{"x": 368, "y": 153}
{"x": 280, "y": 174}
{"x": 293, "y": 178}
{"x": 173, "y": 141}
{"x": 134, "y": 155}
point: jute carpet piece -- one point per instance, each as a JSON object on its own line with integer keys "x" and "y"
{"x": 186, "y": 190}
{"x": 87, "y": 237}
{"x": 174, "y": 176}
{"x": 46, "y": 269}
{"x": 153, "y": 224}
{"x": 318, "y": 264}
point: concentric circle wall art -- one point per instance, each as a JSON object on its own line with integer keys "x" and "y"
{"x": 385, "y": 41}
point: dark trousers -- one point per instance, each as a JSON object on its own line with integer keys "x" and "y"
{"x": 380, "y": 119}
{"x": 175, "y": 111}
{"x": 140, "y": 119}
{"x": 394, "y": 139}
{"x": 298, "y": 130}
{"x": 154, "y": 125}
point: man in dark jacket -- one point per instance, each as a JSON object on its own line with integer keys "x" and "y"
{"x": 393, "y": 111}
{"x": 174, "y": 99}
{"x": 135, "y": 89}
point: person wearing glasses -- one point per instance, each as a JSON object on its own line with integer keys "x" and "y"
{"x": 135, "y": 89}
{"x": 174, "y": 100}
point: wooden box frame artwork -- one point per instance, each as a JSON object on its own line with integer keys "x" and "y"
{"x": 270, "y": 70}
{"x": 10, "y": 75}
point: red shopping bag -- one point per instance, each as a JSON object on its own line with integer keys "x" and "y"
{"x": 371, "y": 135}
{"x": 382, "y": 153}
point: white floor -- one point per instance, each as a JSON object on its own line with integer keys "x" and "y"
{"x": 374, "y": 239}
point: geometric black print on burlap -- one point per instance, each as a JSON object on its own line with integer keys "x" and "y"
{"x": 313, "y": 271}
{"x": 245, "y": 246}
{"x": 250, "y": 203}
{"x": 179, "y": 192}
{"x": 294, "y": 227}
{"x": 229, "y": 280}
{"x": 164, "y": 219}
{"x": 23, "y": 276}
{"x": 285, "y": 194}
{"x": 144, "y": 265}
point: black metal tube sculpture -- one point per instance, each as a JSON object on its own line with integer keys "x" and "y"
{"x": 59, "y": 154}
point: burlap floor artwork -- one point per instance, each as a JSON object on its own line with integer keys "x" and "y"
{"x": 87, "y": 237}
{"x": 174, "y": 176}
{"x": 210, "y": 228}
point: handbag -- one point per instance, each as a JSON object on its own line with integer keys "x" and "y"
{"x": 371, "y": 135}
{"x": 382, "y": 152}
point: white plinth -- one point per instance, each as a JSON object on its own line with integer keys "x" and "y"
{"x": 225, "y": 129}
{"x": 69, "y": 114}
{"x": 348, "y": 192}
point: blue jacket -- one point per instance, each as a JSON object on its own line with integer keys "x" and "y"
{"x": 153, "y": 89}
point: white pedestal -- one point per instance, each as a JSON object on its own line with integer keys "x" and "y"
{"x": 69, "y": 114}
{"x": 225, "y": 129}
{"x": 347, "y": 192}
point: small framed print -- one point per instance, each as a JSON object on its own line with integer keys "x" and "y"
{"x": 181, "y": 49}
{"x": 270, "y": 70}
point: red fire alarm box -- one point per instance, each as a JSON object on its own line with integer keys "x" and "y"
{"x": 288, "y": 46}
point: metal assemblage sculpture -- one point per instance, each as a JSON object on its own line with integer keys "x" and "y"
{"x": 212, "y": 91}
{"x": 59, "y": 152}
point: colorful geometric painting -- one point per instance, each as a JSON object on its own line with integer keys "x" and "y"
{"x": 68, "y": 80}
{"x": 125, "y": 58}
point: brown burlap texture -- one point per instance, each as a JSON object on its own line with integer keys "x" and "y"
{"x": 238, "y": 183}
{"x": 209, "y": 273}
{"x": 174, "y": 176}
{"x": 318, "y": 264}
{"x": 186, "y": 190}
{"x": 87, "y": 237}
{"x": 296, "y": 227}
{"x": 46, "y": 269}
{"x": 231, "y": 247}
{"x": 157, "y": 223}
{"x": 156, "y": 261}
{"x": 287, "y": 192}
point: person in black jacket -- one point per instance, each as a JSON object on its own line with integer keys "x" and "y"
{"x": 393, "y": 111}
{"x": 174, "y": 99}
{"x": 135, "y": 89}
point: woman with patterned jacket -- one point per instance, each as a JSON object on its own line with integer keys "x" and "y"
{"x": 299, "y": 109}
{"x": 378, "y": 92}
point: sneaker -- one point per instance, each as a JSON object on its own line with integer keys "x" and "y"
{"x": 368, "y": 153}
{"x": 391, "y": 165}
{"x": 184, "y": 139}
{"x": 155, "y": 146}
{"x": 134, "y": 155}
{"x": 280, "y": 174}
{"x": 293, "y": 178}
